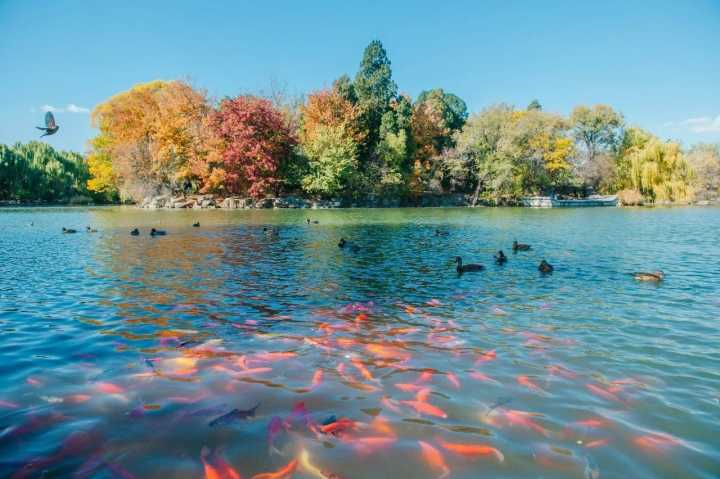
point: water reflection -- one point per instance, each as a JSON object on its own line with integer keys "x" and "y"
{"x": 139, "y": 355}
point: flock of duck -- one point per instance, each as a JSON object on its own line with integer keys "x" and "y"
{"x": 499, "y": 257}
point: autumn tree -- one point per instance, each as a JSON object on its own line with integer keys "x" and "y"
{"x": 152, "y": 134}
{"x": 251, "y": 140}
{"x": 437, "y": 115}
{"x": 331, "y": 134}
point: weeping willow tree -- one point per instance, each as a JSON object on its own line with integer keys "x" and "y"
{"x": 36, "y": 171}
{"x": 656, "y": 169}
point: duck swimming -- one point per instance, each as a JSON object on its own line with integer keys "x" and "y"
{"x": 196, "y": 225}
{"x": 500, "y": 257}
{"x": 68, "y": 230}
{"x": 465, "y": 268}
{"x": 90, "y": 230}
{"x": 342, "y": 244}
{"x": 154, "y": 232}
{"x": 520, "y": 246}
{"x": 656, "y": 276}
{"x": 441, "y": 233}
{"x": 315, "y": 222}
{"x": 545, "y": 267}
{"x": 135, "y": 232}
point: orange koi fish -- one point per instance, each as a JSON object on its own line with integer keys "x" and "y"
{"x": 426, "y": 408}
{"x": 530, "y": 384}
{"x": 408, "y": 388}
{"x": 282, "y": 473}
{"x": 597, "y": 443}
{"x": 603, "y": 393}
{"x": 391, "y": 404}
{"x": 367, "y": 445}
{"x": 656, "y": 442}
{"x": 346, "y": 343}
{"x": 33, "y": 382}
{"x": 434, "y": 459}
{"x": 453, "y": 380}
{"x": 361, "y": 317}
{"x": 109, "y": 388}
{"x": 252, "y": 372}
{"x": 215, "y": 466}
{"x": 388, "y": 352}
{"x": 473, "y": 450}
{"x": 486, "y": 356}
{"x": 274, "y": 356}
{"x": 425, "y": 377}
{"x": 524, "y": 419}
{"x": 482, "y": 377}
{"x": 592, "y": 422}
{"x": 341, "y": 425}
{"x": 562, "y": 371}
{"x": 364, "y": 372}
{"x": 317, "y": 379}
{"x": 381, "y": 425}
{"x": 422, "y": 395}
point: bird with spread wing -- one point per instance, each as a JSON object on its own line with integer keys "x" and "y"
{"x": 50, "y": 126}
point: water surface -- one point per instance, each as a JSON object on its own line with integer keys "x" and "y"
{"x": 119, "y": 351}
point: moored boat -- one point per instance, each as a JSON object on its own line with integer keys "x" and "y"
{"x": 554, "y": 202}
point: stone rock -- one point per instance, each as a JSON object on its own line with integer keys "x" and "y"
{"x": 265, "y": 203}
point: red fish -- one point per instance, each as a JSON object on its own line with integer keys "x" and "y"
{"x": 426, "y": 408}
{"x": 109, "y": 388}
{"x": 603, "y": 393}
{"x": 425, "y": 377}
{"x": 317, "y": 379}
{"x": 524, "y": 419}
{"x": 408, "y": 388}
{"x": 364, "y": 372}
{"x": 530, "y": 384}
{"x": 562, "y": 371}
{"x": 656, "y": 442}
{"x": 482, "y": 377}
{"x": 391, "y": 404}
{"x": 282, "y": 473}
{"x": 366, "y": 445}
{"x": 597, "y": 443}
{"x": 434, "y": 459}
{"x": 422, "y": 395}
{"x": 453, "y": 380}
{"x": 486, "y": 356}
{"x": 340, "y": 426}
{"x": 473, "y": 450}
{"x": 215, "y": 466}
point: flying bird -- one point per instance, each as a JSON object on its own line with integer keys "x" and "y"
{"x": 50, "y": 127}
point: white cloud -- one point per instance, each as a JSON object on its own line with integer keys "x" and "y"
{"x": 71, "y": 108}
{"x": 704, "y": 124}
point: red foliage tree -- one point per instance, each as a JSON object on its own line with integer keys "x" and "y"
{"x": 254, "y": 141}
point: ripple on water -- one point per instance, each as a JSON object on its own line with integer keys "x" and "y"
{"x": 118, "y": 351}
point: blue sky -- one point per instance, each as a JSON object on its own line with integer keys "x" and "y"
{"x": 657, "y": 62}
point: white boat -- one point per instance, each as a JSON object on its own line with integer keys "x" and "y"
{"x": 553, "y": 202}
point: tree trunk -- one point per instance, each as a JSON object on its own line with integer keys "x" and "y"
{"x": 477, "y": 193}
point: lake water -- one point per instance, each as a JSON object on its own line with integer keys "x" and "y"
{"x": 119, "y": 352}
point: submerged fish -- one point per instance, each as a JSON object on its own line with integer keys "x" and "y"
{"x": 234, "y": 415}
{"x": 501, "y": 401}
